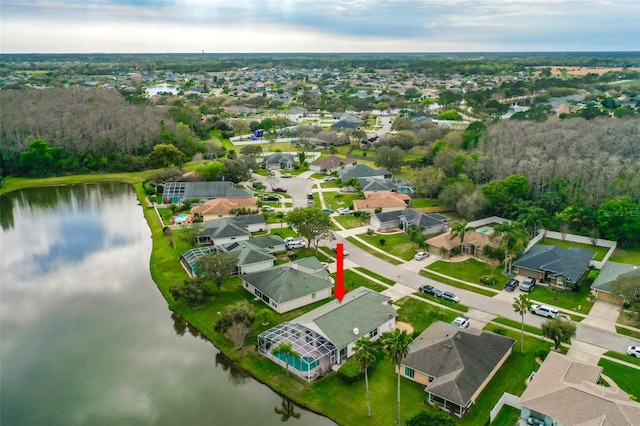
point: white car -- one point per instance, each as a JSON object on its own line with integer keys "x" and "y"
{"x": 461, "y": 322}
{"x": 329, "y": 178}
{"x": 421, "y": 255}
{"x": 268, "y": 209}
{"x": 634, "y": 351}
{"x": 344, "y": 211}
{"x": 545, "y": 311}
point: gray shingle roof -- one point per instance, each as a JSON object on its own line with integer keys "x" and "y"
{"x": 610, "y": 272}
{"x": 360, "y": 308}
{"x": 460, "y": 360}
{"x": 247, "y": 253}
{"x": 569, "y": 263}
{"x": 222, "y": 229}
{"x": 283, "y": 283}
{"x": 413, "y": 216}
{"x": 361, "y": 171}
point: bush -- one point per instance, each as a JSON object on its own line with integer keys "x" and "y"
{"x": 382, "y": 241}
{"x": 542, "y": 353}
{"x": 357, "y": 213}
{"x": 378, "y": 210}
{"x": 350, "y": 372}
{"x": 499, "y": 330}
{"x": 489, "y": 280}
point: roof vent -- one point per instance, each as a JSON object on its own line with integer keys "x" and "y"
{"x": 356, "y": 331}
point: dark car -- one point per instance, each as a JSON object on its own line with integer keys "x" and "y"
{"x": 512, "y": 284}
{"x": 270, "y": 198}
{"x": 278, "y": 189}
{"x": 429, "y": 289}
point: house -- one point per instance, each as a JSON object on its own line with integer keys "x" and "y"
{"x": 324, "y": 337}
{"x": 344, "y": 124}
{"x": 279, "y": 160}
{"x": 178, "y": 192}
{"x": 432, "y": 223}
{"x": 270, "y": 243}
{"x": 361, "y": 171}
{"x": 188, "y": 258}
{"x": 222, "y": 207}
{"x": 289, "y": 286}
{"x": 228, "y": 230}
{"x": 331, "y": 163}
{"x": 402, "y": 186}
{"x": 557, "y": 266}
{"x": 601, "y": 286}
{"x": 566, "y": 392}
{"x": 251, "y": 258}
{"x": 455, "y": 364}
{"x": 474, "y": 243}
{"x": 383, "y": 200}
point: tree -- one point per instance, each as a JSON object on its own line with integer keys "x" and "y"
{"x": 430, "y": 418}
{"x": 619, "y": 220}
{"x": 459, "y": 229}
{"x": 287, "y": 410}
{"x": 165, "y": 155}
{"x": 211, "y": 171}
{"x": 501, "y": 193}
{"x": 558, "y": 330}
{"x": 217, "y": 267}
{"x": 428, "y": 180}
{"x": 389, "y": 157}
{"x": 365, "y": 354}
{"x": 627, "y": 288}
{"x": 311, "y": 223}
{"x": 521, "y": 305}
{"x": 513, "y": 241}
{"x": 236, "y": 322}
{"x": 532, "y": 218}
{"x": 285, "y": 348}
{"x": 40, "y": 159}
{"x": 192, "y": 290}
{"x": 395, "y": 345}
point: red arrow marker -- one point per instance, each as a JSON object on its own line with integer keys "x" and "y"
{"x": 339, "y": 291}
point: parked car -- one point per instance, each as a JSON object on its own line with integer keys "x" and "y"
{"x": 544, "y": 311}
{"x": 421, "y": 255}
{"x": 286, "y": 175}
{"x": 461, "y": 322}
{"x": 344, "y": 251}
{"x": 268, "y": 209}
{"x": 289, "y": 239}
{"x": 329, "y": 178}
{"x": 327, "y": 211}
{"x": 527, "y": 284}
{"x": 634, "y": 351}
{"x": 296, "y": 244}
{"x": 270, "y": 198}
{"x": 429, "y": 289}
{"x": 512, "y": 284}
{"x": 344, "y": 211}
{"x": 278, "y": 189}
{"x": 447, "y": 295}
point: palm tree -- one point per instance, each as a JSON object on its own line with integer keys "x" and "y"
{"x": 287, "y": 411}
{"x": 396, "y": 345}
{"x": 532, "y": 218}
{"x": 513, "y": 240}
{"x": 287, "y": 349}
{"x": 521, "y": 305}
{"x": 365, "y": 354}
{"x": 460, "y": 229}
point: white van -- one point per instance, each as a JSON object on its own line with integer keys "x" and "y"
{"x": 545, "y": 311}
{"x": 295, "y": 244}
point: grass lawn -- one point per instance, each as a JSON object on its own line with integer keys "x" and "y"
{"x": 369, "y": 153}
{"x": 630, "y": 255}
{"x": 625, "y": 377}
{"x": 374, "y": 275}
{"x": 349, "y": 221}
{"x": 574, "y": 301}
{"x": 627, "y": 332}
{"x": 420, "y": 314}
{"x": 623, "y": 357}
{"x": 396, "y": 244}
{"x": 452, "y": 305}
{"x": 319, "y": 176}
{"x": 284, "y": 232}
{"x": 353, "y": 280}
{"x": 373, "y": 251}
{"x": 335, "y": 200}
{"x": 424, "y": 202}
{"x": 469, "y": 270}
{"x": 14, "y": 183}
{"x": 600, "y": 251}
{"x": 484, "y": 292}
{"x": 508, "y": 416}
{"x": 517, "y": 325}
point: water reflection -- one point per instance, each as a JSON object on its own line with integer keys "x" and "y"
{"x": 287, "y": 410}
{"x": 237, "y": 376}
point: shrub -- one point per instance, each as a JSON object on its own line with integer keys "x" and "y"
{"x": 489, "y": 280}
{"x": 357, "y": 213}
{"x": 378, "y": 210}
{"x": 542, "y": 353}
{"x": 350, "y": 372}
{"x": 382, "y": 241}
{"x": 499, "y": 330}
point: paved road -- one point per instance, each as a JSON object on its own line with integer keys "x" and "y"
{"x": 499, "y": 305}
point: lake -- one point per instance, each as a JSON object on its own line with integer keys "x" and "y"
{"x": 87, "y": 338}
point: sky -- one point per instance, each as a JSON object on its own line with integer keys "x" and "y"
{"x": 242, "y": 26}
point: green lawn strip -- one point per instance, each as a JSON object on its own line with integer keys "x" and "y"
{"x": 330, "y": 184}
{"x": 318, "y": 176}
{"x": 342, "y": 200}
{"x": 374, "y": 275}
{"x": 627, "y": 332}
{"x": 457, "y": 284}
{"x": 623, "y": 357}
{"x": 349, "y": 221}
{"x": 420, "y": 314}
{"x": 424, "y": 202}
{"x": 630, "y": 255}
{"x": 516, "y": 324}
{"x": 510, "y": 378}
{"x": 353, "y": 280}
{"x": 508, "y": 416}
{"x": 441, "y": 301}
{"x": 11, "y": 183}
{"x": 373, "y": 251}
{"x": 570, "y": 300}
{"x": 600, "y": 251}
{"x": 625, "y": 377}
{"x": 469, "y": 270}
{"x": 398, "y": 244}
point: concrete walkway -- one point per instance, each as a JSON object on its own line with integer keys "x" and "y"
{"x": 603, "y": 315}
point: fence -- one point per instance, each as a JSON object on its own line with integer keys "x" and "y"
{"x": 586, "y": 240}
{"x": 505, "y": 399}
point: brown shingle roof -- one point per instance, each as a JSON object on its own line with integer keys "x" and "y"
{"x": 470, "y": 237}
{"x": 225, "y": 205}
{"x": 382, "y": 199}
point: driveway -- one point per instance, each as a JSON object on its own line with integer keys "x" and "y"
{"x": 603, "y": 315}
{"x": 296, "y": 187}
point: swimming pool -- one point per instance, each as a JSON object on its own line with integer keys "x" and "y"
{"x": 181, "y": 217}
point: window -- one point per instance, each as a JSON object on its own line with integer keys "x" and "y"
{"x": 409, "y": 372}
{"x": 374, "y": 333}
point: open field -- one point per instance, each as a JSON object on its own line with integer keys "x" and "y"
{"x": 582, "y": 71}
